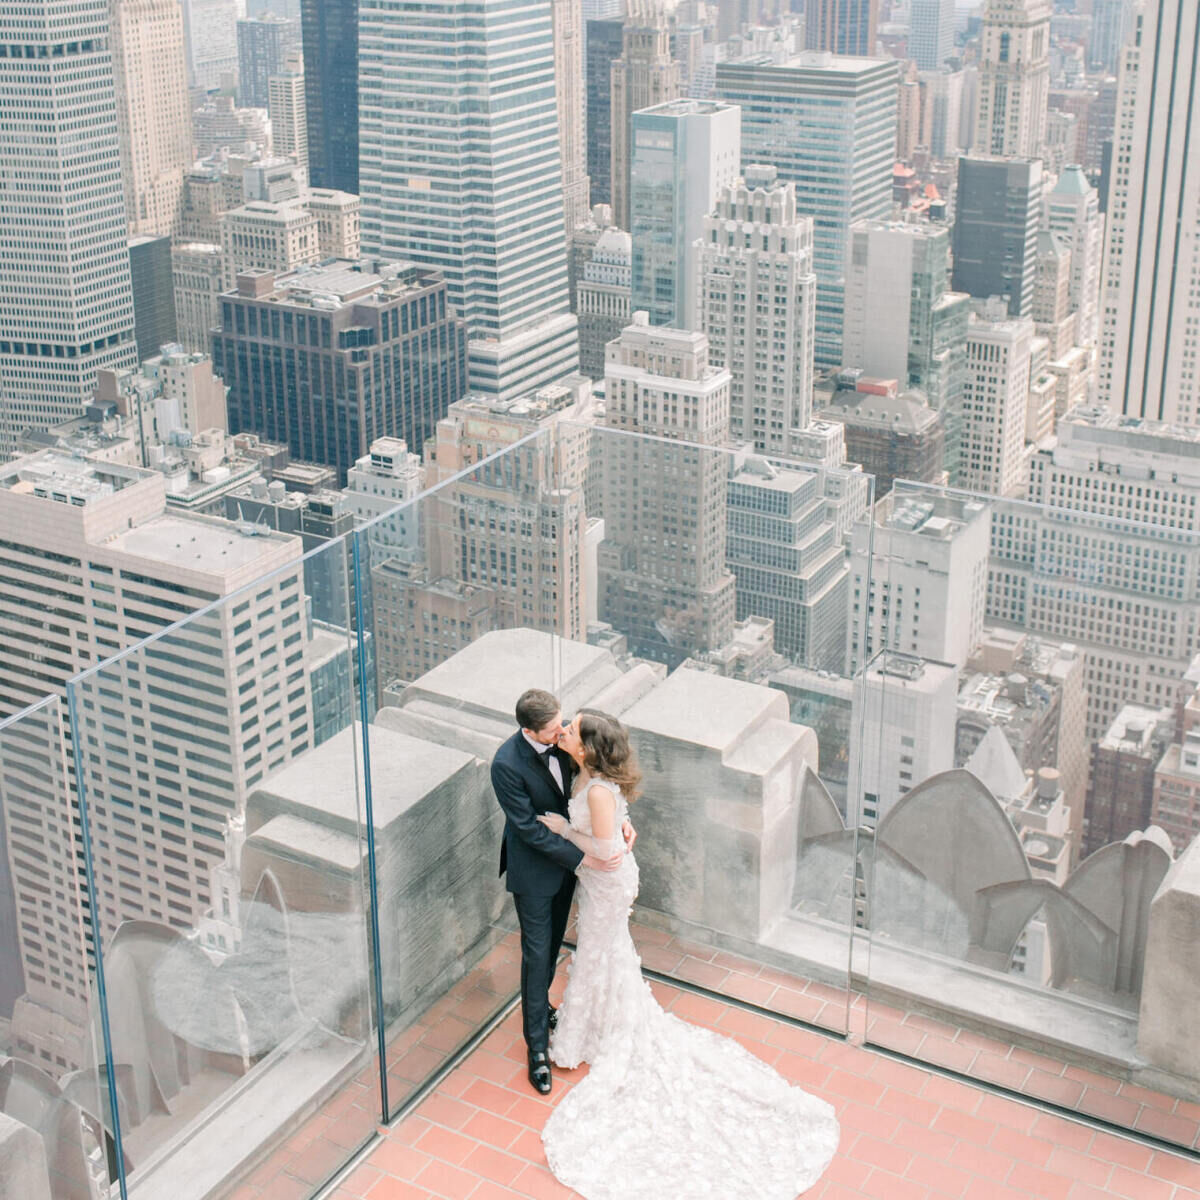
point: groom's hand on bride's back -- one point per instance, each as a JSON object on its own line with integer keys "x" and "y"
{"x": 602, "y": 864}
{"x": 628, "y": 833}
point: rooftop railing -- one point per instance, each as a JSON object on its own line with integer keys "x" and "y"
{"x": 252, "y": 861}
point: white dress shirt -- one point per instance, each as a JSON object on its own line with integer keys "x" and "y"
{"x": 552, "y": 762}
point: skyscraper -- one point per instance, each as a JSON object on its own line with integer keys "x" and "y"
{"x": 65, "y": 303}
{"x": 153, "y": 294}
{"x": 604, "y": 292}
{"x": 604, "y": 41}
{"x": 903, "y": 321}
{"x": 569, "y": 92}
{"x": 995, "y": 392}
{"x": 289, "y": 117}
{"x": 931, "y": 33}
{"x": 198, "y": 273}
{"x": 663, "y": 581}
{"x": 758, "y": 306}
{"x": 789, "y": 109}
{"x": 1112, "y": 24}
{"x": 997, "y": 212}
{"x": 942, "y": 112}
{"x": 367, "y": 355}
{"x": 789, "y": 562}
{"x": 330, "y": 35}
{"x": 644, "y": 75}
{"x": 1014, "y": 78}
{"x": 684, "y": 153}
{"x": 461, "y": 171}
{"x": 153, "y": 120}
{"x": 1150, "y": 311}
{"x": 210, "y": 38}
{"x": 172, "y": 727}
{"x": 841, "y": 26}
{"x": 264, "y": 44}
{"x": 1071, "y": 211}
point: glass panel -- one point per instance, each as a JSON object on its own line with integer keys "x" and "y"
{"x": 52, "y": 1100}
{"x": 1031, "y": 772}
{"x": 463, "y": 590}
{"x": 220, "y": 765}
{"x": 718, "y": 587}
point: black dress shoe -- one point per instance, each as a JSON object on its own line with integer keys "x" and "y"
{"x": 553, "y": 1017}
{"x": 539, "y": 1071}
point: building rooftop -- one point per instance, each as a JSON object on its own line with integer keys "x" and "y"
{"x": 1088, "y": 423}
{"x": 55, "y": 475}
{"x": 684, "y": 107}
{"x": 1133, "y": 729}
{"x": 337, "y": 282}
{"x": 937, "y": 517}
{"x": 811, "y": 60}
{"x": 198, "y": 543}
{"x": 905, "y": 412}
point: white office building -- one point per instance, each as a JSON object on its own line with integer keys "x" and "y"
{"x": 995, "y": 399}
{"x": 918, "y": 580}
{"x": 1014, "y": 78}
{"x": 66, "y": 306}
{"x": 1071, "y": 211}
{"x": 1150, "y": 311}
{"x": 173, "y": 737}
{"x": 461, "y": 171}
{"x": 905, "y": 707}
{"x": 685, "y": 152}
{"x": 757, "y": 304}
{"x": 385, "y": 478}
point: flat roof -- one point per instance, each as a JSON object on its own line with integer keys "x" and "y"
{"x": 198, "y": 544}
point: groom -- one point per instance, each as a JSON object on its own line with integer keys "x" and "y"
{"x": 531, "y": 775}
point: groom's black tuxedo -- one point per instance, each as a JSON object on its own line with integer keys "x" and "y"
{"x": 540, "y": 866}
{"x": 536, "y": 860}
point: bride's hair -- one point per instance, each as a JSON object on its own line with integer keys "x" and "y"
{"x": 607, "y": 752}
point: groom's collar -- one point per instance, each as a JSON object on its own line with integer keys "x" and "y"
{"x": 538, "y": 747}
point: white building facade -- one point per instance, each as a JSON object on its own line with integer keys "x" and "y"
{"x": 1150, "y": 312}
{"x": 473, "y": 189}
{"x": 757, "y": 306}
{"x": 66, "y": 306}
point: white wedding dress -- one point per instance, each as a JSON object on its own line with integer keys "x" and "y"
{"x": 667, "y": 1109}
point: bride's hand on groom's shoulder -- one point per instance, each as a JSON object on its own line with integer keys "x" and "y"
{"x": 554, "y": 822}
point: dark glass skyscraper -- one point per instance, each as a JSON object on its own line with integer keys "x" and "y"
{"x": 841, "y": 26}
{"x": 997, "y": 209}
{"x": 153, "y": 294}
{"x": 604, "y": 41}
{"x": 328, "y": 359}
{"x": 330, "y": 29}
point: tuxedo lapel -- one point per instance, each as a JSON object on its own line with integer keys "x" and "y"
{"x": 541, "y": 764}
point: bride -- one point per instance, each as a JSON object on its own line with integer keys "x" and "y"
{"x": 667, "y": 1109}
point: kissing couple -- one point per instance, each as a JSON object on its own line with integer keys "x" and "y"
{"x": 667, "y": 1108}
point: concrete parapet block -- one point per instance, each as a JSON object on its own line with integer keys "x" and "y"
{"x": 1169, "y": 1024}
{"x": 23, "y": 1172}
{"x": 724, "y": 769}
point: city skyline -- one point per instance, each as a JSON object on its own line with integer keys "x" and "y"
{"x": 814, "y": 390}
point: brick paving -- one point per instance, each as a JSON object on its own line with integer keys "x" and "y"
{"x": 907, "y": 1133}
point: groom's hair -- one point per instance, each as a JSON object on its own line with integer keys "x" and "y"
{"x": 536, "y": 709}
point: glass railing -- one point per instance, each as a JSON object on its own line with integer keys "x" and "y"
{"x": 453, "y": 592}
{"x": 220, "y": 761}
{"x": 720, "y": 593}
{"x": 58, "y": 1145}
{"x": 252, "y": 901}
{"x": 1025, "y": 694}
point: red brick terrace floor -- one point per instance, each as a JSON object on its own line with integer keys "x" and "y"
{"x": 907, "y": 1133}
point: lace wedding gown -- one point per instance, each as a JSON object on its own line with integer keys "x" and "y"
{"x": 667, "y": 1109}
